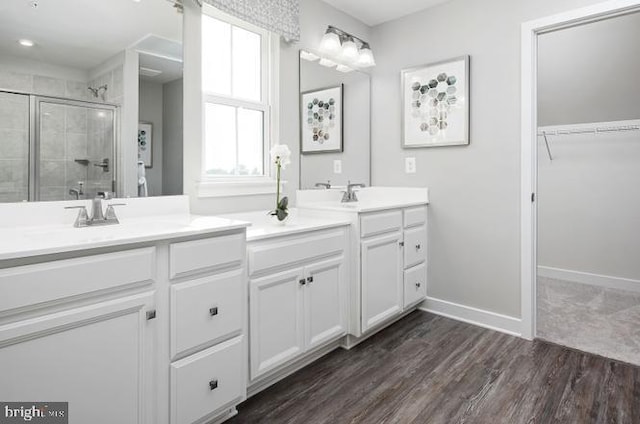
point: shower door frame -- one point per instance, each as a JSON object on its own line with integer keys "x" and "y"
{"x": 35, "y": 101}
{"x": 528, "y": 151}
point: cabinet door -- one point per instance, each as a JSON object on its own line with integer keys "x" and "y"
{"x": 415, "y": 246}
{"x": 381, "y": 279}
{"x": 90, "y": 356}
{"x": 276, "y": 320}
{"x": 324, "y": 302}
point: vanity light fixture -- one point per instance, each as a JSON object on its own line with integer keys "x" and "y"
{"x": 343, "y": 68}
{"x": 346, "y": 49}
{"x": 327, "y": 62}
{"x": 309, "y": 56}
{"x": 26, "y": 43}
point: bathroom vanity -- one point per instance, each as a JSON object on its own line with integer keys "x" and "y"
{"x": 141, "y": 322}
{"x": 298, "y": 292}
{"x": 389, "y": 242}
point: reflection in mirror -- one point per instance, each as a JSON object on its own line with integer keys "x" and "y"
{"x": 320, "y": 165}
{"x": 77, "y": 80}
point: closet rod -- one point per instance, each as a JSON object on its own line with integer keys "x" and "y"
{"x": 592, "y": 130}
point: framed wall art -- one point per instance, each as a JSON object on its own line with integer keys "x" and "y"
{"x": 435, "y": 104}
{"x": 321, "y": 120}
{"x": 145, "y": 143}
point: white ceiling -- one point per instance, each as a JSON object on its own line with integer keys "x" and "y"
{"x": 82, "y": 34}
{"x": 376, "y": 12}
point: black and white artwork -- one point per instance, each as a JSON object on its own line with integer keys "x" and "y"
{"x": 435, "y": 104}
{"x": 321, "y": 120}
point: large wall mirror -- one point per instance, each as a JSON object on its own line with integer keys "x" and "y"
{"x": 335, "y": 124}
{"x": 90, "y": 99}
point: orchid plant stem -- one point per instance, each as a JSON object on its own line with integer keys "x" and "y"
{"x": 277, "y": 183}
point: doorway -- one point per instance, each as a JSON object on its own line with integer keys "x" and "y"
{"x": 536, "y": 148}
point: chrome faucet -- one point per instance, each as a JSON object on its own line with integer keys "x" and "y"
{"x": 97, "y": 216}
{"x": 326, "y": 185}
{"x": 350, "y": 194}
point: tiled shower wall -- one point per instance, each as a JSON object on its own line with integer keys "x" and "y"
{"x": 14, "y": 147}
{"x": 68, "y": 89}
{"x": 73, "y": 139}
{"x": 67, "y": 133}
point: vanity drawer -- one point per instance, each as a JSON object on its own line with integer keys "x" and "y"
{"x": 415, "y": 246}
{"x": 380, "y": 222}
{"x": 205, "y": 382}
{"x": 188, "y": 257}
{"x": 415, "y": 216}
{"x": 415, "y": 284}
{"x": 206, "y": 309}
{"x": 58, "y": 280}
{"x": 268, "y": 255}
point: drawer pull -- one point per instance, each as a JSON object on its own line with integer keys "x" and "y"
{"x": 151, "y": 314}
{"x": 309, "y": 279}
{"x": 302, "y": 282}
{"x": 418, "y": 246}
{"x": 213, "y": 311}
{"x": 418, "y": 285}
{"x": 401, "y": 244}
{"x": 213, "y": 384}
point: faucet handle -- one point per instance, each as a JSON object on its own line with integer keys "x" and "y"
{"x": 83, "y": 217}
{"x": 110, "y": 214}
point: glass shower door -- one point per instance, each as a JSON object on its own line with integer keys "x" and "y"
{"x": 14, "y": 147}
{"x": 76, "y": 143}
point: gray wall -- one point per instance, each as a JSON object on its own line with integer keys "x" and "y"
{"x": 318, "y": 167}
{"x": 474, "y": 225}
{"x": 589, "y": 73}
{"x": 150, "y": 105}
{"x": 172, "y": 138}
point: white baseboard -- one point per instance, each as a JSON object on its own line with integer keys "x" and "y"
{"x": 588, "y": 278}
{"x": 475, "y": 316}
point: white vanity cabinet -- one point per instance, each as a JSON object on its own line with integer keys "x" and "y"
{"x": 297, "y": 296}
{"x": 150, "y": 333}
{"x": 393, "y": 250}
{"x": 207, "y": 298}
{"x": 80, "y": 330}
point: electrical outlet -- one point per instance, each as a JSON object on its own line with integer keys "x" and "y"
{"x": 410, "y": 165}
{"x": 337, "y": 166}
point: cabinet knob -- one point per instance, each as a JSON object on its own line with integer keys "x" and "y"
{"x": 213, "y": 311}
{"x": 309, "y": 279}
{"x": 213, "y": 384}
{"x": 302, "y": 282}
{"x": 418, "y": 284}
{"x": 151, "y": 314}
{"x": 418, "y": 246}
{"x": 401, "y": 244}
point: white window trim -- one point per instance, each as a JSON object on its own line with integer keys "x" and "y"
{"x": 238, "y": 185}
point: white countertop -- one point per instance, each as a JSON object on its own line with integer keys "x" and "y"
{"x": 24, "y": 242}
{"x": 264, "y": 227}
{"x": 370, "y": 199}
{"x": 43, "y": 228}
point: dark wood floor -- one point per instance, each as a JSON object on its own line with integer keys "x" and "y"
{"x": 429, "y": 369}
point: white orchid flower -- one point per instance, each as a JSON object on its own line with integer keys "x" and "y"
{"x": 281, "y": 153}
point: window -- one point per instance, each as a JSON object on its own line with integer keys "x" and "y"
{"x": 236, "y": 84}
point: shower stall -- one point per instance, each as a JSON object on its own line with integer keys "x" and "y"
{"x": 54, "y": 148}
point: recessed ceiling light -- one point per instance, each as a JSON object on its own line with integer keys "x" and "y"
{"x": 26, "y": 43}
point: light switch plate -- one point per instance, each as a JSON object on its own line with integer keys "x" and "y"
{"x": 410, "y": 165}
{"x": 337, "y": 166}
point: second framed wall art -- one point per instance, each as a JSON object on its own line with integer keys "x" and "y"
{"x": 321, "y": 120}
{"x": 435, "y": 104}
